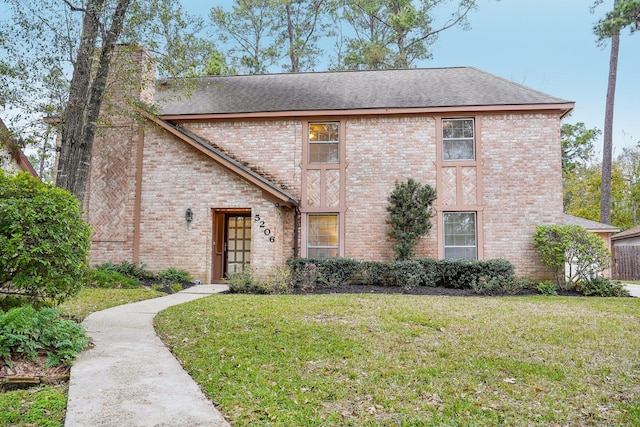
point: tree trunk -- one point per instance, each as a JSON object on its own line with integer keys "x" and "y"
{"x": 292, "y": 40}
{"x": 85, "y": 98}
{"x": 607, "y": 149}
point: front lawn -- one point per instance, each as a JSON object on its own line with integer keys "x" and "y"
{"x": 412, "y": 360}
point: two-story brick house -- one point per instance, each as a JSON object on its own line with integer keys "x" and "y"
{"x": 241, "y": 170}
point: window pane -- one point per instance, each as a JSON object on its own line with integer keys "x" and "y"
{"x": 324, "y": 141}
{"x": 460, "y": 235}
{"x": 322, "y": 253}
{"x": 322, "y": 236}
{"x": 458, "y": 140}
{"x": 323, "y": 153}
{"x": 458, "y": 150}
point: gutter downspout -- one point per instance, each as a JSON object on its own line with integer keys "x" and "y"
{"x": 296, "y": 232}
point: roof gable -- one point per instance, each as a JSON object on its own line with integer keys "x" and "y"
{"x": 347, "y": 90}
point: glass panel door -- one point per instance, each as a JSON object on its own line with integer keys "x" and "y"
{"x": 238, "y": 244}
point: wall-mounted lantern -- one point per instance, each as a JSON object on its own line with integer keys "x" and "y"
{"x": 188, "y": 215}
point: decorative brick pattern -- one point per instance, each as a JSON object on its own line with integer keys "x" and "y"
{"x": 107, "y": 205}
{"x": 332, "y": 190}
{"x": 313, "y": 188}
{"x": 469, "y": 186}
{"x": 449, "y": 191}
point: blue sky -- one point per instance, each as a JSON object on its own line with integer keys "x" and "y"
{"x": 547, "y": 45}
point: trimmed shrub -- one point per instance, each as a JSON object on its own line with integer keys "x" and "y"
{"x": 99, "y": 278}
{"x": 308, "y": 273}
{"x": 467, "y": 273}
{"x": 25, "y": 332}
{"x": 305, "y": 273}
{"x": 429, "y": 271}
{"x": 407, "y": 274}
{"x": 44, "y": 241}
{"x": 277, "y": 281}
{"x": 129, "y": 269}
{"x": 174, "y": 275}
{"x": 240, "y": 282}
{"x": 337, "y": 271}
{"x": 375, "y": 273}
{"x": 601, "y": 287}
{"x": 497, "y": 285}
{"x": 547, "y": 287}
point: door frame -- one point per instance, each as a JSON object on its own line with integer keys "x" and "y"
{"x": 219, "y": 239}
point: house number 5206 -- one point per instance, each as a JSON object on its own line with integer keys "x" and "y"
{"x": 263, "y": 226}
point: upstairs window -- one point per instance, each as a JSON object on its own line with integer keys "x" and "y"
{"x": 458, "y": 139}
{"x": 324, "y": 142}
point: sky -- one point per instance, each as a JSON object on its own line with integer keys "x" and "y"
{"x": 547, "y": 45}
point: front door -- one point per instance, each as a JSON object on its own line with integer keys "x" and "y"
{"x": 231, "y": 242}
{"x": 238, "y": 236}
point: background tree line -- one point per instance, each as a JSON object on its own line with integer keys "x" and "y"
{"x": 55, "y": 56}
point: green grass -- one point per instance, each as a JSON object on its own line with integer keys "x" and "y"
{"x": 90, "y": 300}
{"x": 412, "y": 361}
{"x": 46, "y": 405}
{"x": 37, "y": 406}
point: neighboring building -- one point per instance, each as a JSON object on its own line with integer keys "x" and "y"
{"x": 603, "y": 230}
{"x": 11, "y": 157}
{"x": 630, "y": 237}
{"x": 256, "y": 169}
{"x": 626, "y": 254}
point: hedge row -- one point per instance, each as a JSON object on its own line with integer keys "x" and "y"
{"x": 332, "y": 272}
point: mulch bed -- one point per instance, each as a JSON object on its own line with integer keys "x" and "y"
{"x": 23, "y": 373}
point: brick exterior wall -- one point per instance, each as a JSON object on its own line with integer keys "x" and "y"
{"x": 522, "y": 177}
{"x": 177, "y": 177}
{"x": 380, "y": 152}
{"x": 519, "y": 167}
{"x": 137, "y": 205}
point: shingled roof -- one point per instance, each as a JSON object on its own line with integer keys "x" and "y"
{"x": 348, "y": 90}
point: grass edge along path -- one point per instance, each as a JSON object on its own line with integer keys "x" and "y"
{"x": 46, "y": 405}
{"x": 366, "y": 360}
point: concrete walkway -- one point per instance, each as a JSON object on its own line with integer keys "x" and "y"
{"x": 130, "y": 378}
{"x": 634, "y": 290}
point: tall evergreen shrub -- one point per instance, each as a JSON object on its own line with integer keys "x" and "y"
{"x": 410, "y": 207}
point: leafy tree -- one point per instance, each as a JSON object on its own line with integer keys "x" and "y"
{"x": 48, "y": 38}
{"x": 410, "y": 210}
{"x": 44, "y": 241}
{"x": 397, "y": 33}
{"x": 573, "y": 253}
{"x": 629, "y": 164}
{"x": 625, "y": 13}
{"x": 299, "y": 25}
{"x": 173, "y": 36}
{"x": 582, "y": 194}
{"x": 248, "y": 29}
{"x": 577, "y": 145}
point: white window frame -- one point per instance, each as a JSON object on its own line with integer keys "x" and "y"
{"x": 453, "y": 140}
{"x": 475, "y": 226}
{"x": 334, "y": 247}
{"x": 332, "y": 142}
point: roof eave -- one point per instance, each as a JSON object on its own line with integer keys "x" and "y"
{"x": 562, "y": 108}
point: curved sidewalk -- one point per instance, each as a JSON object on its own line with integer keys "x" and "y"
{"x": 130, "y": 378}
